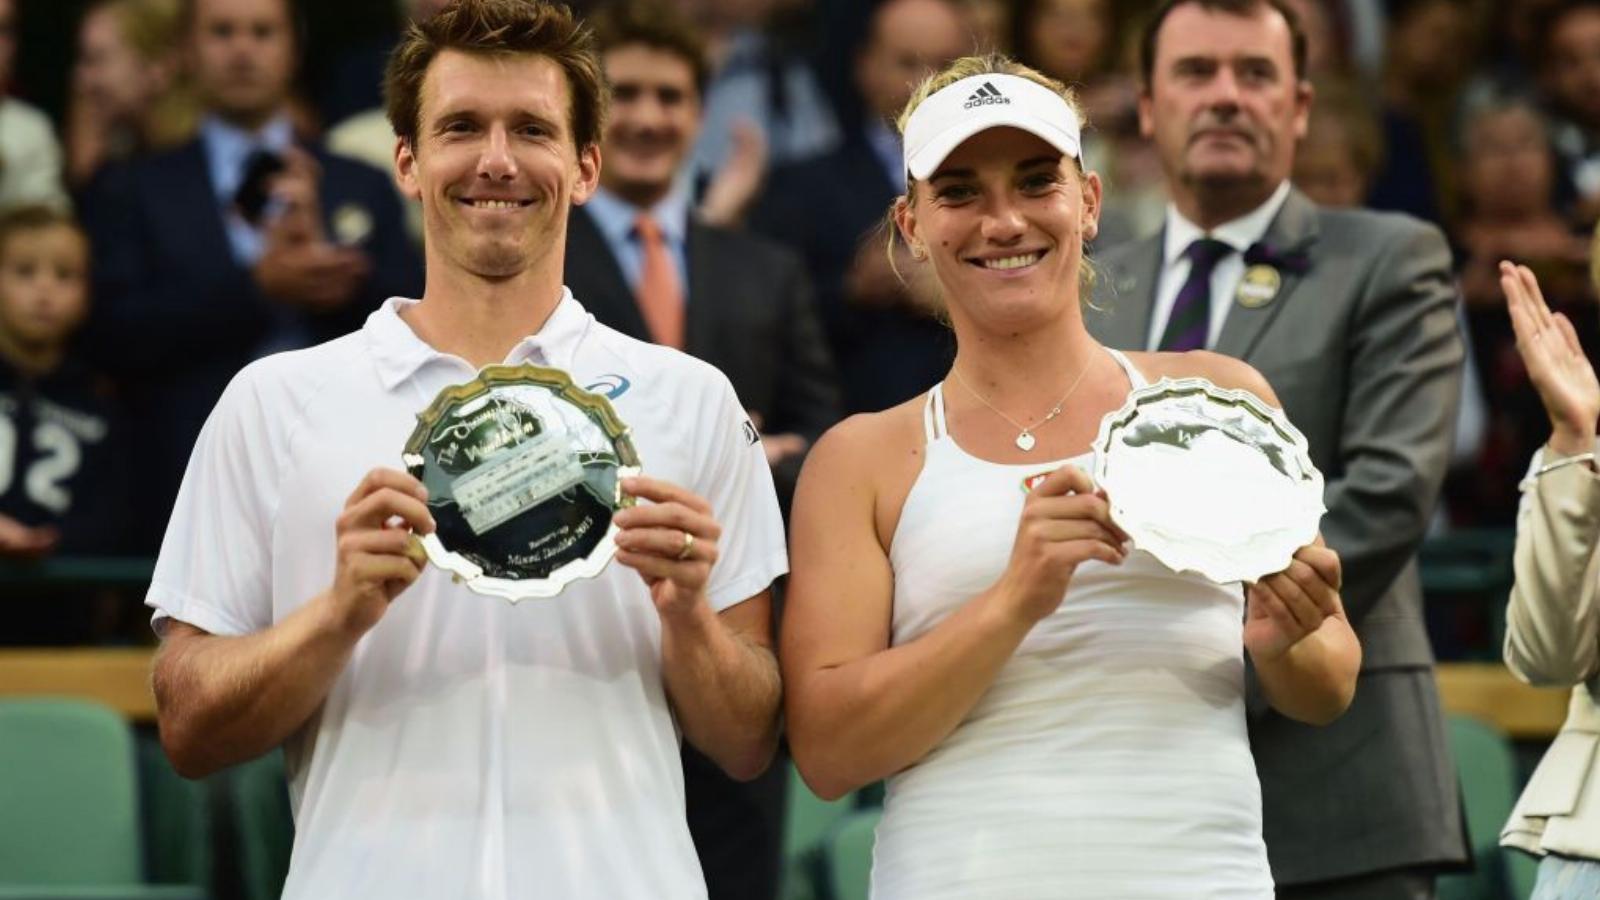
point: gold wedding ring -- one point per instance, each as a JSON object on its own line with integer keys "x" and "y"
{"x": 688, "y": 546}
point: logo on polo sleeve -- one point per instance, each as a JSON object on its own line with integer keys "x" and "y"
{"x": 612, "y": 386}
{"x": 986, "y": 95}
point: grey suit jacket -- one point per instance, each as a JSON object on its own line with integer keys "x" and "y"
{"x": 1553, "y": 638}
{"x": 1362, "y": 349}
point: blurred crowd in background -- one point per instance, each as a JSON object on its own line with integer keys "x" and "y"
{"x": 147, "y": 146}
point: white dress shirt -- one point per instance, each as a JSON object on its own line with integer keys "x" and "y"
{"x": 1180, "y": 233}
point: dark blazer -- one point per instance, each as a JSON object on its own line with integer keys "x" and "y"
{"x": 1363, "y": 350}
{"x": 175, "y": 316}
{"x": 750, "y": 313}
{"x": 825, "y": 209}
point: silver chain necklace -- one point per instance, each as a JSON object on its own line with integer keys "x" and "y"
{"x": 1025, "y": 440}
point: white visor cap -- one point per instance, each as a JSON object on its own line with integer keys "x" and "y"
{"x": 958, "y": 111}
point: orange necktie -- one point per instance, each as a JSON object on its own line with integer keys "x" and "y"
{"x": 660, "y": 297}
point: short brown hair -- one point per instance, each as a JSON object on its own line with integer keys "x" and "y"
{"x": 657, "y": 26}
{"x": 1242, "y": 8}
{"x": 34, "y": 217}
{"x": 497, "y": 28}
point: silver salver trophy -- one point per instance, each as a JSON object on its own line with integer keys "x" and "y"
{"x": 523, "y": 470}
{"x": 1208, "y": 479}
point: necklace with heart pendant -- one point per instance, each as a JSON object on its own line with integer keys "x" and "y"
{"x": 1025, "y": 440}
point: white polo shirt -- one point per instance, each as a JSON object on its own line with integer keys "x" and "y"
{"x": 471, "y": 748}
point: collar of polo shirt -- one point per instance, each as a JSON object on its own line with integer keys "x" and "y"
{"x": 399, "y": 352}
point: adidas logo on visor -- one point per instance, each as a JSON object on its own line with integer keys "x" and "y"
{"x": 987, "y": 95}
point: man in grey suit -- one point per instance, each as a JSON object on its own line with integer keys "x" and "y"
{"x": 1351, "y": 316}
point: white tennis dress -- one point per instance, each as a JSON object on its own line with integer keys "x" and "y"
{"x": 1109, "y": 760}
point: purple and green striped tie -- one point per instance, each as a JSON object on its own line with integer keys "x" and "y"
{"x": 1190, "y": 320}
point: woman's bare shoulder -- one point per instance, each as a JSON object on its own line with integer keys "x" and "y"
{"x": 865, "y": 437}
{"x": 869, "y": 458}
{"x": 1219, "y": 369}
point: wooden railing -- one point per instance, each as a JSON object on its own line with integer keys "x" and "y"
{"x": 1476, "y": 563}
{"x": 116, "y": 676}
{"x": 1487, "y": 691}
{"x": 120, "y": 678}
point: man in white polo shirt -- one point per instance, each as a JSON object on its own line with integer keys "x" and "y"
{"x": 442, "y": 743}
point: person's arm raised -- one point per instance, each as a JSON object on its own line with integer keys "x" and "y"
{"x": 860, "y": 709}
{"x": 1553, "y": 615}
{"x": 221, "y": 700}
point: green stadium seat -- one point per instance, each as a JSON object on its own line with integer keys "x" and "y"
{"x": 1487, "y": 767}
{"x": 872, "y": 795}
{"x": 806, "y": 822}
{"x": 69, "y": 809}
{"x": 265, "y": 827}
{"x": 177, "y": 819}
{"x": 847, "y": 854}
{"x": 1468, "y": 561}
{"x": 69, "y": 814}
{"x": 1466, "y": 575}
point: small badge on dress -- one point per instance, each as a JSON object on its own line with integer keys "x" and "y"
{"x": 1258, "y": 287}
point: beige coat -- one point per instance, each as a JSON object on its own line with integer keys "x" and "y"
{"x": 1553, "y": 638}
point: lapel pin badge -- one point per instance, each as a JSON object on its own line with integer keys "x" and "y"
{"x": 1258, "y": 287}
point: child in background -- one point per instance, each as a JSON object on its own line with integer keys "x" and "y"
{"x": 59, "y": 489}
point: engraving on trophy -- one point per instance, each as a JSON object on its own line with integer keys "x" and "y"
{"x": 523, "y": 471}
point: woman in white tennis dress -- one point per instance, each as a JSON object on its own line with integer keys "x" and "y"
{"x": 1057, "y": 716}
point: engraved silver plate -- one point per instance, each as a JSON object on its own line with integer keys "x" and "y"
{"x": 524, "y": 471}
{"x": 1209, "y": 479}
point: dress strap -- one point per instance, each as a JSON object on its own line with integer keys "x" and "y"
{"x": 933, "y": 426}
{"x": 1135, "y": 377}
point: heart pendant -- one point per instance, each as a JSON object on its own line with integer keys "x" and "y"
{"x": 1025, "y": 441}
